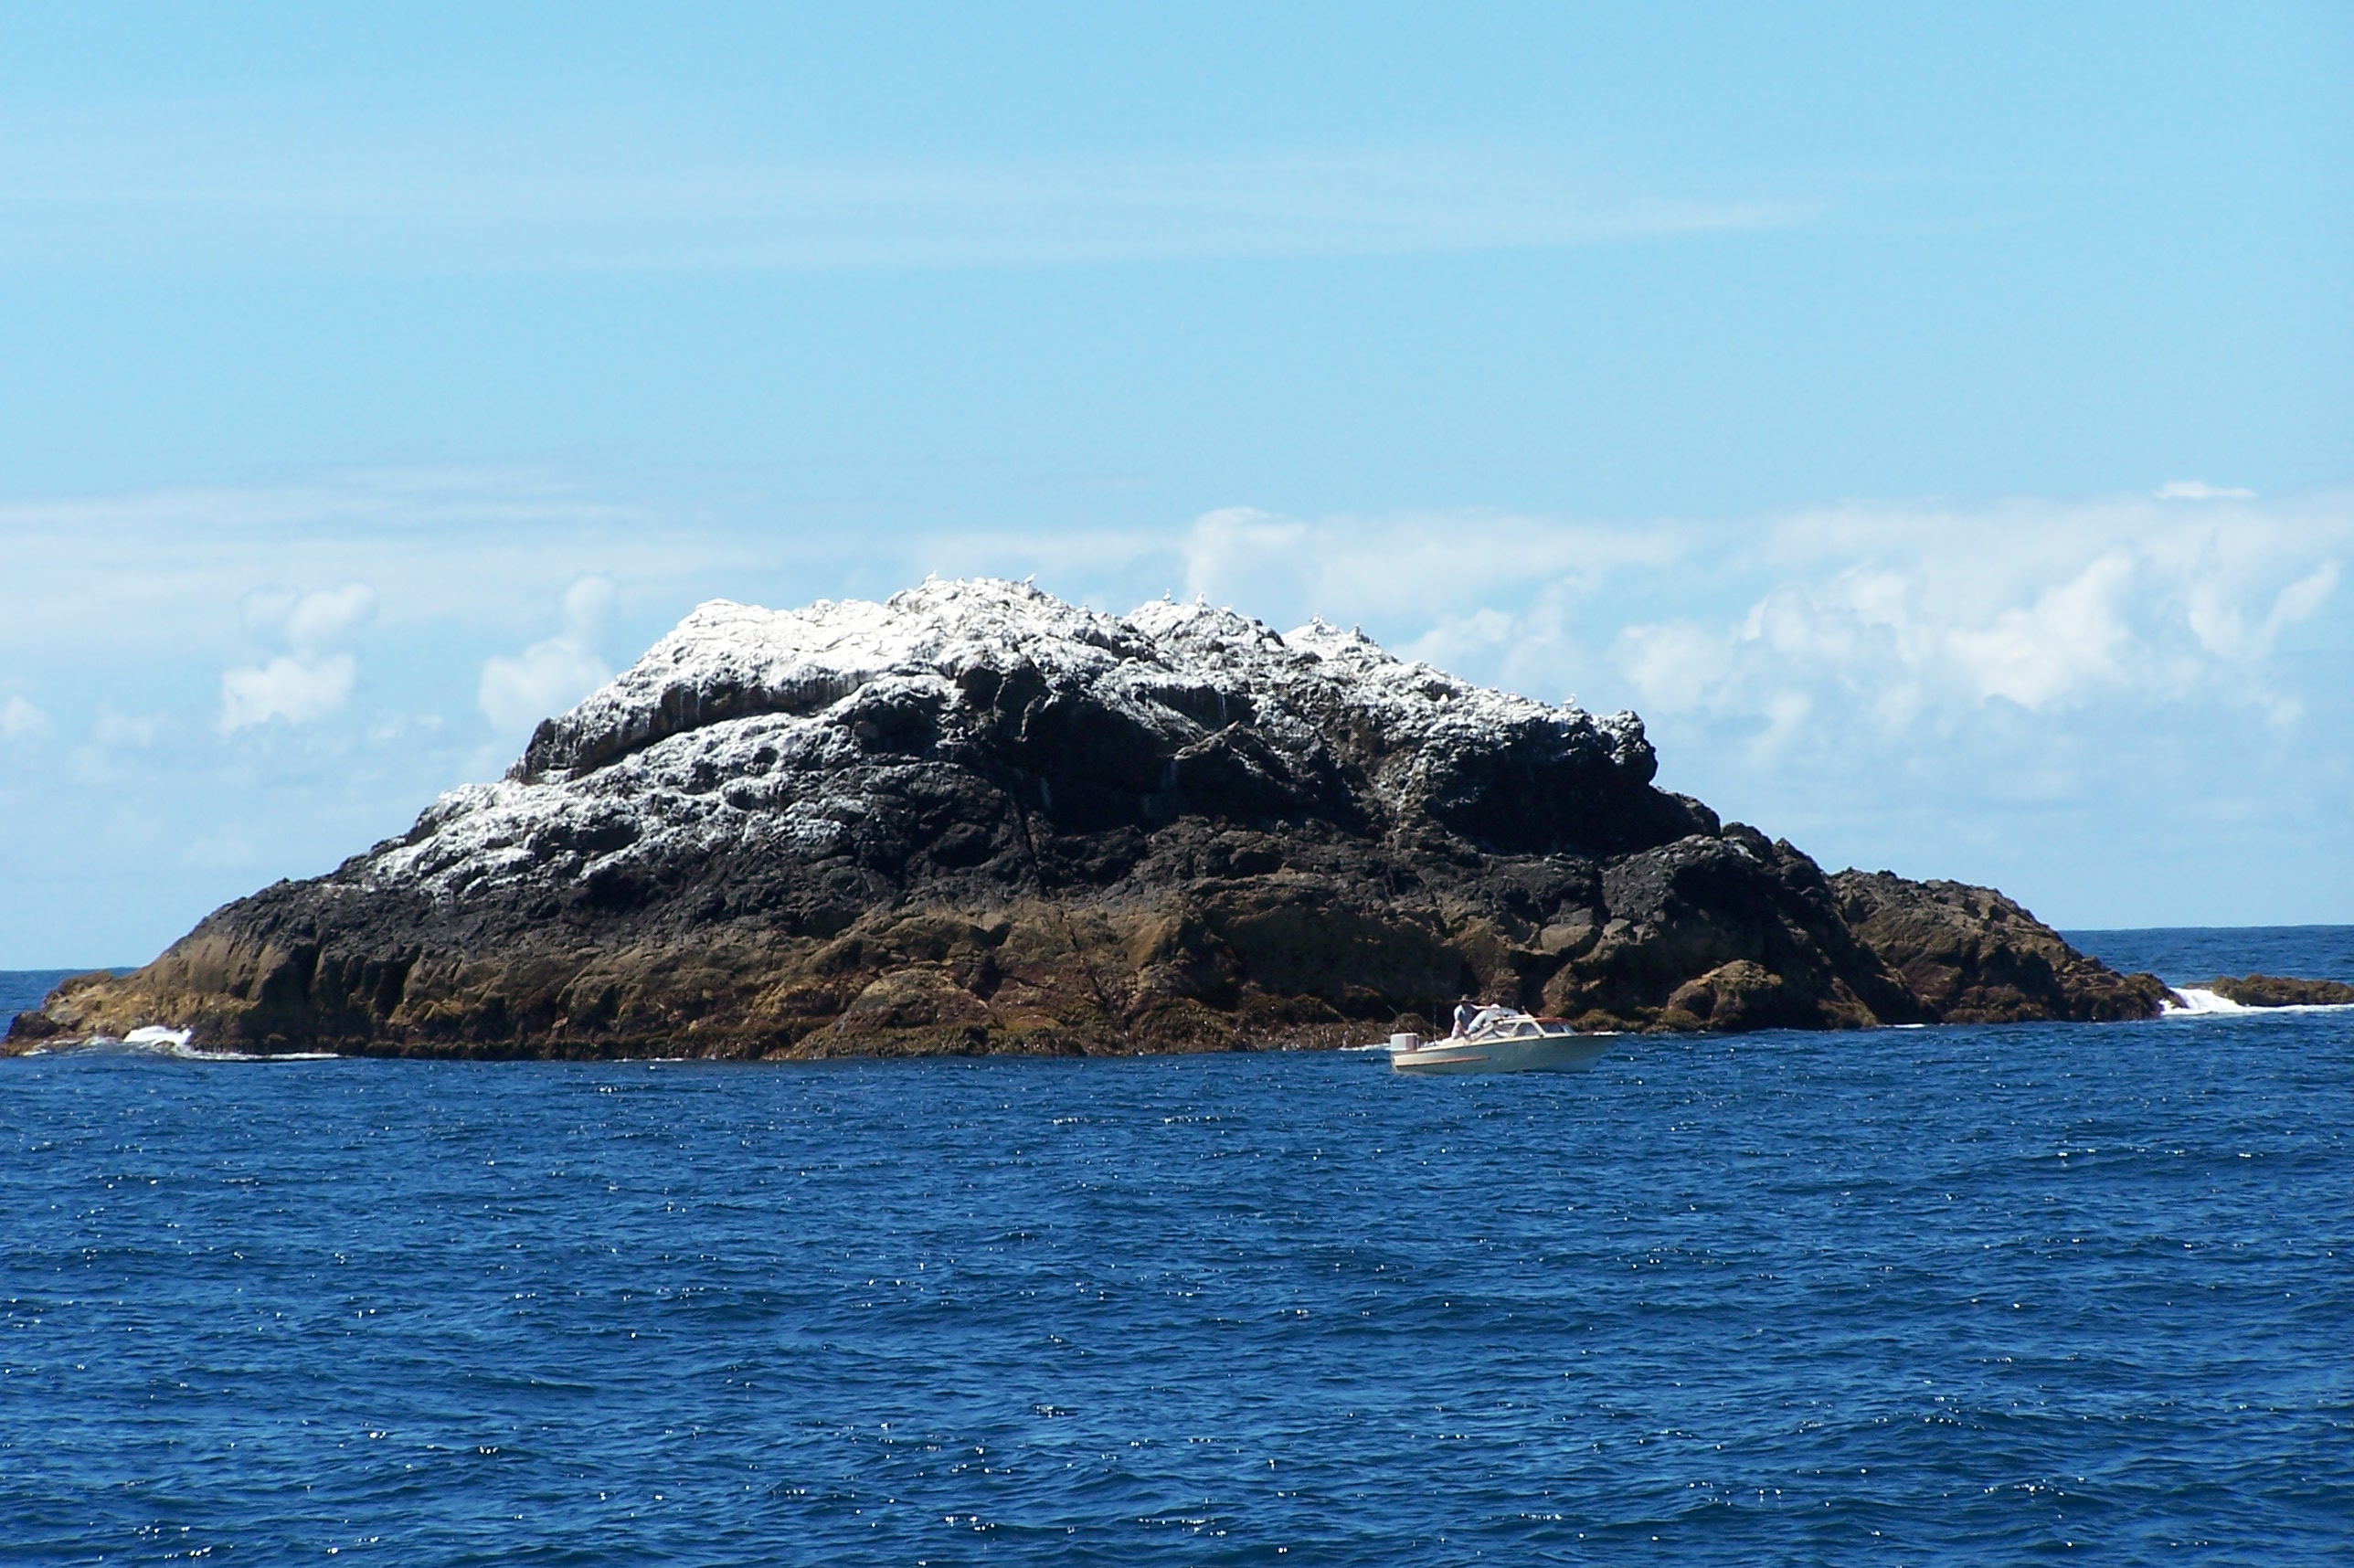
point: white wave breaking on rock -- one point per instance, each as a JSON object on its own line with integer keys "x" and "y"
{"x": 155, "y": 1040}
{"x": 2197, "y": 1001}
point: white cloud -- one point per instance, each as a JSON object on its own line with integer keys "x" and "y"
{"x": 1892, "y": 619}
{"x": 1903, "y": 683}
{"x": 1676, "y": 663}
{"x": 549, "y": 677}
{"x": 449, "y": 199}
{"x": 2048, "y": 607}
{"x": 2298, "y": 601}
{"x": 545, "y": 679}
{"x": 2068, "y": 641}
{"x": 126, "y": 730}
{"x": 1892, "y": 683}
{"x": 1433, "y": 565}
{"x": 1500, "y": 593}
{"x": 589, "y": 607}
{"x": 322, "y": 620}
{"x": 312, "y": 681}
{"x": 20, "y": 720}
{"x": 2199, "y": 490}
{"x": 439, "y": 551}
{"x": 298, "y": 690}
{"x": 311, "y": 621}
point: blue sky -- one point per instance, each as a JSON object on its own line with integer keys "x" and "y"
{"x": 1938, "y": 422}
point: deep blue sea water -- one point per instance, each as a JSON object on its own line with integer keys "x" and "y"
{"x": 2187, "y": 955}
{"x": 1912, "y": 1295}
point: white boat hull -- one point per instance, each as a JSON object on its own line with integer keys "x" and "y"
{"x": 1539, "y": 1054}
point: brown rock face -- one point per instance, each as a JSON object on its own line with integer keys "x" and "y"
{"x": 1338, "y": 941}
{"x": 1973, "y": 956}
{"x": 976, "y": 820}
{"x": 2273, "y": 990}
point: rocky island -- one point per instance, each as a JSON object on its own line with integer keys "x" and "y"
{"x": 978, "y": 819}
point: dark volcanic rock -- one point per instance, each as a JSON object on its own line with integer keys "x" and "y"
{"x": 2273, "y": 990}
{"x": 978, "y": 819}
{"x": 1972, "y": 956}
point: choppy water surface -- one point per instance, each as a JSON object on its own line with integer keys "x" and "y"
{"x": 1911, "y": 1296}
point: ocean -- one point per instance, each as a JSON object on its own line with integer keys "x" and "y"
{"x": 1950, "y": 1294}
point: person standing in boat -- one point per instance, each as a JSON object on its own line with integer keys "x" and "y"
{"x": 1464, "y": 1013}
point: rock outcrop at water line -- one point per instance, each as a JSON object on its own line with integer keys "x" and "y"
{"x": 1973, "y": 956}
{"x": 2276, "y": 991}
{"x": 977, "y": 819}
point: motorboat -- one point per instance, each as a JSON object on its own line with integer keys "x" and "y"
{"x": 1499, "y": 1040}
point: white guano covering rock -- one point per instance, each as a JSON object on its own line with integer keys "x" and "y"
{"x": 745, "y": 721}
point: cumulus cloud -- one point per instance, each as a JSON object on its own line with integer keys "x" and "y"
{"x": 2045, "y": 607}
{"x": 1496, "y": 593}
{"x": 545, "y": 679}
{"x": 1883, "y": 619}
{"x": 311, "y": 621}
{"x": 1432, "y": 565}
{"x": 309, "y": 683}
{"x": 20, "y": 720}
{"x": 322, "y": 620}
{"x": 1881, "y": 680}
{"x": 297, "y": 690}
{"x": 1897, "y": 639}
{"x": 1992, "y": 689}
{"x": 1677, "y": 664}
{"x": 589, "y": 606}
{"x": 118, "y": 729}
{"x": 549, "y": 676}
